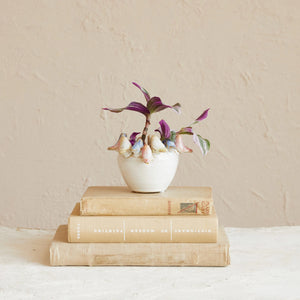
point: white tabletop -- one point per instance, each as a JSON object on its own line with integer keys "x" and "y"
{"x": 265, "y": 264}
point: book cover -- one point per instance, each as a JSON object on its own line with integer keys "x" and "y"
{"x": 142, "y": 229}
{"x": 63, "y": 253}
{"x": 100, "y": 200}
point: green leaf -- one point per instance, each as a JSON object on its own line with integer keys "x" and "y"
{"x": 186, "y": 130}
{"x": 173, "y": 136}
{"x": 203, "y": 144}
{"x": 155, "y": 105}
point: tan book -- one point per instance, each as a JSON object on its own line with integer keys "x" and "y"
{"x": 63, "y": 253}
{"x": 142, "y": 229}
{"x": 113, "y": 201}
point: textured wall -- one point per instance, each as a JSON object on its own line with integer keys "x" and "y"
{"x": 61, "y": 61}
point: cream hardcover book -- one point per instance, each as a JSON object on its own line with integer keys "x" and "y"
{"x": 112, "y": 201}
{"x": 63, "y": 253}
{"x": 142, "y": 229}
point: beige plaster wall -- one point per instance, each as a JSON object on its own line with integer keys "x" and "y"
{"x": 61, "y": 61}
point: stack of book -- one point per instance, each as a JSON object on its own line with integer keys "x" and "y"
{"x": 113, "y": 226}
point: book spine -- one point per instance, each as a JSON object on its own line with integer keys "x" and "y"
{"x": 141, "y": 255}
{"x": 144, "y": 207}
{"x": 147, "y": 229}
{"x": 138, "y": 254}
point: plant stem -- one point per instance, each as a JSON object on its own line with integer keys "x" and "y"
{"x": 144, "y": 134}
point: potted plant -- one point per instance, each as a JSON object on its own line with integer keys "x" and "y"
{"x": 148, "y": 162}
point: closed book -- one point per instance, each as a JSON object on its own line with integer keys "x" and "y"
{"x": 114, "y": 201}
{"x": 142, "y": 229}
{"x": 63, "y": 253}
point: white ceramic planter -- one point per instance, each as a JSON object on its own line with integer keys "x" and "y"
{"x": 149, "y": 178}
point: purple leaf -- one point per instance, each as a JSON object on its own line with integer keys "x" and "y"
{"x": 159, "y": 130}
{"x": 186, "y": 130}
{"x": 134, "y": 106}
{"x": 133, "y": 137}
{"x": 202, "y": 116}
{"x": 164, "y": 129}
{"x": 177, "y": 107}
{"x": 146, "y": 94}
{"x": 155, "y": 105}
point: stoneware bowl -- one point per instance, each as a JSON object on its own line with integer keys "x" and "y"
{"x": 149, "y": 178}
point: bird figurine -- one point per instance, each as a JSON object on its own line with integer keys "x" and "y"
{"x": 117, "y": 144}
{"x": 180, "y": 146}
{"x": 125, "y": 146}
{"x": 170, "y": 144}
{"x": 156, "y": 144}
{"x": 136, "y": 148}
{"x": 147, "y": 154}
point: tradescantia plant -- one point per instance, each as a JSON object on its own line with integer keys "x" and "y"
{"x": 169, "y": 140}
